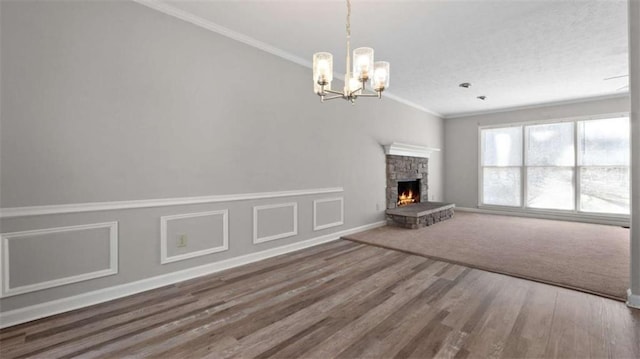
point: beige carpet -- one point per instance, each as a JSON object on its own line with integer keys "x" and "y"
{"x": 588, "y": 257}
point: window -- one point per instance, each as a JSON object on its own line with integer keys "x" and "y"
{"x": 603, "y": 156}
{"x": 501, "y": 166}
{"x": 575, "y": 166}
{"x": 550, "y": 160}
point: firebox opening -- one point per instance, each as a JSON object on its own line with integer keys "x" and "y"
{"x": 408, "y": 192}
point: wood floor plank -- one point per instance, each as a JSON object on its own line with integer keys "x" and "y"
{"x": 453, "y": 344}
{"x": 76, "y": 317}
{"x": 232, "y": 308}
{"x": 622, "y": 330}
{"x": 138, "y": 317}
{"x": 568, "y": 336}
{"x": 490, "y": 336}
{"x": 266, "y": 337}
{"x": 341, "y": 339}
{"x": 340, "y": 300}
{"x": 355, "y": 271}
{"x": 393, "y": 333}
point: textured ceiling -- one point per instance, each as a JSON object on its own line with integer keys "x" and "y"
{"x": 516, "y": 53}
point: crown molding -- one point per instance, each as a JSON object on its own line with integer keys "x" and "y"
{"x": 412, "y": 104}
{"x": 538, "y": 105}
{"x": 248, "y": 40}
{"x": 219, "y": 29}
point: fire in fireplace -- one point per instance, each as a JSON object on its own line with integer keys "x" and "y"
{"x": 408, "y": 192}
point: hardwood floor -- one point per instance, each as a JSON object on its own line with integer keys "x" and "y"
{"x": 343, "y": 300}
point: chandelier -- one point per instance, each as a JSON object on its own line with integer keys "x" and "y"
{"x": 364, "y": 70}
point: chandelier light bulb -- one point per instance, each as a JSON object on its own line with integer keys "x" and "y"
{"x": 322, "y": 67}
{"x": 362, "y": 62}
{"x": 380, "y": 79}
{"x": 355, "y": 86}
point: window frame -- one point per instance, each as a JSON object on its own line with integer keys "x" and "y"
{"x": 481, "y": 167}
{"x": 575, "y": 212}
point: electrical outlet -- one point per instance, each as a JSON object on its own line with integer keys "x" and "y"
{"x": 182, "y": 240}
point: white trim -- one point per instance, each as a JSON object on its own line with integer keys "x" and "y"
{"x": 224, "y": 31}
{"x": 633, "y": 300}
{"x": 7, "y": 291}
{"x": 403, "y": 101}
{"x": 601, "y": 116}
{"x": 317, "y": 227}
{"x": 273, "y": 237}
{"x": 147, "y": 203}
{"x": 539, "y": 105}
{"x": 248, "y": 40}
{"x": 165, "y": 258}
{"x": 62, "y": 305}
{"x": 613, "y": 221}
{"x": 403, "y": 149}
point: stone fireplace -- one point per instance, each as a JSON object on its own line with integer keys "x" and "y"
{"x": 407, "y": 188}
{"x": 406, "y": 173}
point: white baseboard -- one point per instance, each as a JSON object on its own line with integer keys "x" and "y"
{"x": 633, "y": 300}
{"x": 62, "y": 305}
{"x": 555, "y": 216}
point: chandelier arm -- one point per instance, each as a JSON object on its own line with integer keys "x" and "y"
{"x": 333, "y": 92}
{"x": 377, "y": 94}
{"x": 332, "y": 97}
{"x": 352, "y": 93}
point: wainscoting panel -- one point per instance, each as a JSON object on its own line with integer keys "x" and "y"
{"x": 45, "y": 258}
{"x": 275, "y": 221}
{"x": 185, "y": 236}
{"x": 328, "y": 212}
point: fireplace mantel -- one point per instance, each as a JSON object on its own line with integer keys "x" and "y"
{"x": 403, "y": 149}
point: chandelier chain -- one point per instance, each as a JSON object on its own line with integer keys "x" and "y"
{"x": 348, "y": 43}
{"x": 348, "y": 18}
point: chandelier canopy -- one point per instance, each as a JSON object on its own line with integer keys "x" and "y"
{"x": 355, "y": 80}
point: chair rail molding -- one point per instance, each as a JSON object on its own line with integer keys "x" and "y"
{"x": 13, "y": 212}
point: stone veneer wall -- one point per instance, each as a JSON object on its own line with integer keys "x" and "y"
{"x": 405, "y": 168}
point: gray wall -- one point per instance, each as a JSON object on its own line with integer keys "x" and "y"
{"x": 110, "y": 101}
{"x": 461, "y": 141}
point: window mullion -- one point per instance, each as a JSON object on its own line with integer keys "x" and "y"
{"x": 576, "y": 170}
{"x": 523, "y": 170}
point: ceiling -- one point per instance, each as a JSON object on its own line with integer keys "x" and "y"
{"x": 516, "y": 53}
